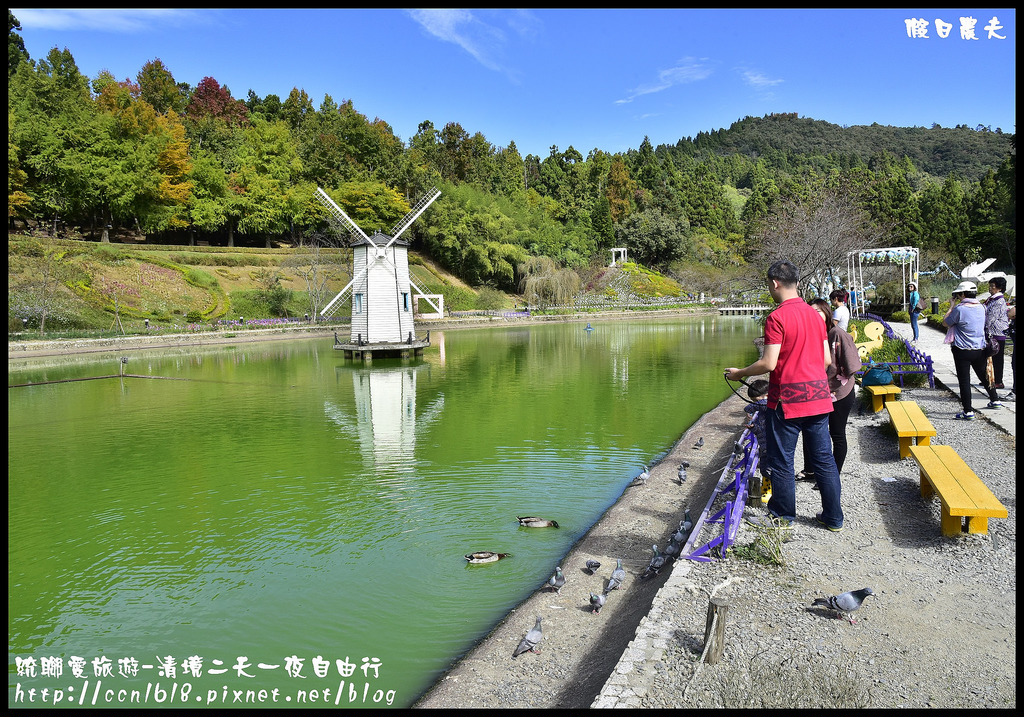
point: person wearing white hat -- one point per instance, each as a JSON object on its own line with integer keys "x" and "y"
{"x": 915, "y": 309}
{"x": 966, "y": 322}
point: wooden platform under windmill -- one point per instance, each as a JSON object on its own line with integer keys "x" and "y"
{"x": 366, "y": 351}
{"x": 381, "y": 289}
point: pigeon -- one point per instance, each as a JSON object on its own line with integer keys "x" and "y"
{"x": 486, "y": 556}
{"x": 642, "y": 478}
{"x": 556, "y": 581}
{"x": 596, "y": 602}
{"x": 618, "y": 575}
{"x": 681, "y": 474}
{"x": 530, "y": 640}
{"x": 672, "y": 549}
{"x": 699, "y": 443}
{"x": 657, "y": 563}
{"x": 846, "y": 603}
{"x": 685, "y": 526}
{"x": 533, "y": 522}
{"x": 592, "y": 566}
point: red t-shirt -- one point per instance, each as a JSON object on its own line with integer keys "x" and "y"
{"x": 798, "y": 381}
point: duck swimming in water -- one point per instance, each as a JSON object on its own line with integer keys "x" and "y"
{"x": 486, "y": 556}
{"x": 533, "y": 522}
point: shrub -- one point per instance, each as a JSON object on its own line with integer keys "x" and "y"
{"x": 457, "y": 298}
{"x": 491, "y": 299}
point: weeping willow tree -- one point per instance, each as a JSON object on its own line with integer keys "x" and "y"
{"x": 544, "y": 283}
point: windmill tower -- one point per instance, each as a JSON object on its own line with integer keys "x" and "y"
{"x": 381, "y": 288}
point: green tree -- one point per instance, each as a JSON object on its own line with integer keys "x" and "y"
{"x": 158, "y": 88}
{"x": 16, "y": 53}
{"x": 653, "y": 238}
{"x": 946, "y": 219}
{"x": 373, "y": 206}
{"x": 208, "y": 205}
{"x": 545, "y": 284}
{"x": 620, "y": 190}
{"x": 267, "y": 164}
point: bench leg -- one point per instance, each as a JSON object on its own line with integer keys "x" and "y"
{"x": 924, "y": 440}
{"x": 905, "y": 446}
{"x": 877, "y": 403}
{"x": 977, "y": 524}
{"x": 951, "y": 524}
{"x": 926, "y": 486}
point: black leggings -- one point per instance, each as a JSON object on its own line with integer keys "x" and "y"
{"x": 964, "y": 360}
{"x": 997, "y": 361}
{"x": 837, "y": 431}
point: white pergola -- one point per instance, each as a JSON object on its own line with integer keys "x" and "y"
{"x": 907, "y": 257}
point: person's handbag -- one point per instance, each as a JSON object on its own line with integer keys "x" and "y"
{"x": 991, "y": 346}
{"x": 879, "y": 374}
{"x": 921, "y": 305}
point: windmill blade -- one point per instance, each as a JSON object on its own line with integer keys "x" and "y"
{"x": 421, "y": 206}
{"x": 424, "y": 294}
{"x": 339, "y": 216}
{"x": 341, "y": 294}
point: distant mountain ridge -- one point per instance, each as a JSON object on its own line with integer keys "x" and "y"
{"x": 938, "y": 151}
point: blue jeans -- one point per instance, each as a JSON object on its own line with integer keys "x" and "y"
{"x": 913, "y": 324}
{"x": 781, "y": 435}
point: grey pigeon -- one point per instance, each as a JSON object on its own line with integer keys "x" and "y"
{"x": 699, "y": 443}
{"x": 672, "y": 549}
{"x": 530, "y": 640}
{"x": 556, "y": 581}
{"x": 592, "y": 566}
{"x": 681, "y": 474}
{"x": 596, "y": 602}
{"x": 618, "y": 576}
{"x": 846, "y": 603}
{"x": 685, "y": 526}
{"x": 657, "y": 563}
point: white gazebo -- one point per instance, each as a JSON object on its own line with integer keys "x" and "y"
{"x": 906, "y": 257}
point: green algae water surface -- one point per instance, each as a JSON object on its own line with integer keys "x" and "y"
{"x": 276, "y": 527}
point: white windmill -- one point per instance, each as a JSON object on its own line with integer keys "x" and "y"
{"x": 381, "y": 288}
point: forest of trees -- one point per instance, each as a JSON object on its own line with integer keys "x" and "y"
{"x": 181, "y": 163}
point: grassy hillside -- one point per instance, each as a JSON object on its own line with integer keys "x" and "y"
{"x": 77, "y": 288}
{"x": 85, "y": 286}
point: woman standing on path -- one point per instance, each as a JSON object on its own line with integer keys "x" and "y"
{"x": 915, "y": 309}
{"x": 996, "y": 324}
{"x": 845, "y": 364}
{"x": 966, "y": 322}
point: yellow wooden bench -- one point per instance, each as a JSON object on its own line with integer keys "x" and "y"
{"x": 910, "y": 423}
{"x": 873, "y": 332}
{"x": 962, "y": 493}
{"x": 880, "y": 395}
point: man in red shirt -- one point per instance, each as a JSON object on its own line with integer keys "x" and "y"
{"x": 796, "y": 354}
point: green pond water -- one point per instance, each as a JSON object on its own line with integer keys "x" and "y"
{"x": 284, "y": 524}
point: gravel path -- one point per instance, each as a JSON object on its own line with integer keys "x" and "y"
{"x": 940, "y": 631}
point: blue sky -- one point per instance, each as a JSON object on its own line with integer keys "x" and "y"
{"x": 591, "y": 79}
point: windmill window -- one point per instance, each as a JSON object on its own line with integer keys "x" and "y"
{"x": 357, "y": 303}
{"x": 405, "y": 301}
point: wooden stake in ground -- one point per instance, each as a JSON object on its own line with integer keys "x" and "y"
{"x": 714, "y": 631}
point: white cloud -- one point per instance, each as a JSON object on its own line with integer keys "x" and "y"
{"x": 758, "y": 79}
{"x": 484, "y": 34}
{"x": 97, "y": 20}
{"x": 688, "y": 70}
